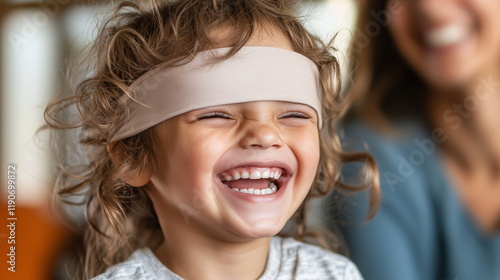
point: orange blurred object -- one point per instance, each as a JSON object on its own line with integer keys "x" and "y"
{"x": 39, "y": 240}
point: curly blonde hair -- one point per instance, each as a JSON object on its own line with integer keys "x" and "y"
{"x": 132, "y": 41}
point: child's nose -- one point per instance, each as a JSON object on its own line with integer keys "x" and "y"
{"x": 262, "y": 136}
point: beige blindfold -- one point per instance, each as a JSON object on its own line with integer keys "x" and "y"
{"x": 252, "y": 74}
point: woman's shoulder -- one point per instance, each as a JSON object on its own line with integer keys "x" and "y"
{"x": 396, "y": 135}
{"x": 412, "y": 178}
{"x": 298, "y": 260}
{"x": 406, "y": 155}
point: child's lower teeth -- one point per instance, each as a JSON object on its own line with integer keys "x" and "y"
{"x": 271, "y": 189}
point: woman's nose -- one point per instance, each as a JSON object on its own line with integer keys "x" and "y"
{"x": 261, "y": 136}
{"x": 434, "y": 11}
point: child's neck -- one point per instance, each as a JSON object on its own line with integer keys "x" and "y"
{"x": 196, "y": 256}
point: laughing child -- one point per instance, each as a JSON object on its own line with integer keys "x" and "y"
{"x": 207, "y": 126}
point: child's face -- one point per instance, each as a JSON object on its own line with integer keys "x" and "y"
{"x": 201, "y": 155}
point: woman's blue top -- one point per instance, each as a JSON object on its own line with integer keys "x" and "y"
{"x": 421, "y": 231}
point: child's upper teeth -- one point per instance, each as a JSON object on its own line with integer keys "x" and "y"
{"x": 252, "y": 173}
{"x": 255, "y": 175}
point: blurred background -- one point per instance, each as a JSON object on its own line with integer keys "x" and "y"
{"x": 37, "y": 38}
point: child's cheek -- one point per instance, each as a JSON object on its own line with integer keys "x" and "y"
{"x": 306, "y": 148}
{"x": 197, "y": 155}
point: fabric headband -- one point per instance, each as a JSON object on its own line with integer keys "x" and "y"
{"x": 252, "y": 74}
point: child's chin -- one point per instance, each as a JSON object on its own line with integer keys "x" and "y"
{"x": 261, "y": 231}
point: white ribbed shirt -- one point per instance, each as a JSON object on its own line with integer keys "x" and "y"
{"x": 288, "y": 259}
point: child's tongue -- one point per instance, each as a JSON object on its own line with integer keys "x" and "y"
{"x": 248, "y": 184}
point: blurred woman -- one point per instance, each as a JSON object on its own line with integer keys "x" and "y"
{"x": 426, "y": 76}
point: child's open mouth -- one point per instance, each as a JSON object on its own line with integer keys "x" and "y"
{"x": 253, "y": 180}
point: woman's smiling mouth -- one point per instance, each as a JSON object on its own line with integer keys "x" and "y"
{"x": 446, "y": 36}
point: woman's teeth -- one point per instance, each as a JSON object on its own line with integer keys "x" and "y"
{"x": 447, "y": 35}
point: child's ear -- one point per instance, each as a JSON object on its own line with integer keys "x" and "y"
{"x": 135, "y": 179}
